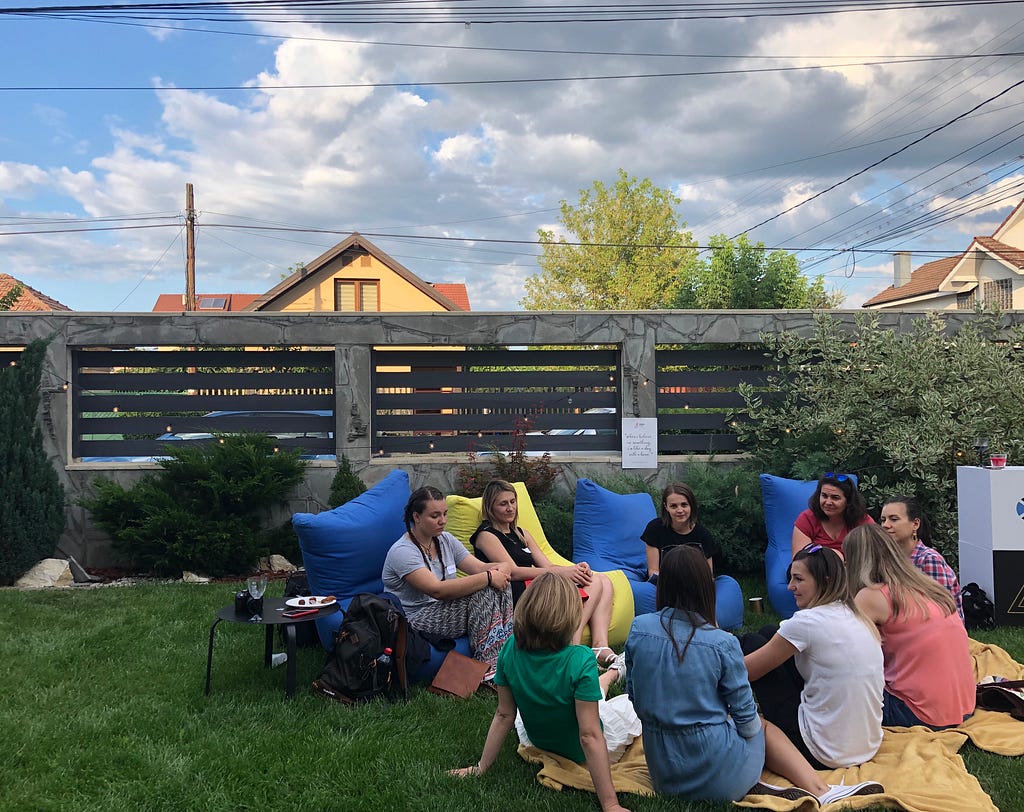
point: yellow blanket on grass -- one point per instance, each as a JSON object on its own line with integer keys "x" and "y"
{"x": 918, "y": 767}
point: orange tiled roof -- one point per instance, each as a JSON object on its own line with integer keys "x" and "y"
{"x": 925, "y": 279}
{"x": 30, "y": 299}
{"x": 1002, "y": 250}
{"x": 175, "y": 302}
{"x": 456, "y": 291}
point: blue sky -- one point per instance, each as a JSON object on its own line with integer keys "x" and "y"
{"x": 490, "y": 162}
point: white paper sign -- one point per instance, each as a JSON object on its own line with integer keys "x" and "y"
{"x": 639, "y": 442}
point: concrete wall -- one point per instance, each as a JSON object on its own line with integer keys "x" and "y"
{"x": 636, "y": 333}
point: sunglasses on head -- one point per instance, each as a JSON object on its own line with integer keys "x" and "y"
{"x": 811, "y": 548}
{"x": 836, "y": 477}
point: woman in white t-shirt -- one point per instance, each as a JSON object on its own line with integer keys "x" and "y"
{"x": 819, "y": 677}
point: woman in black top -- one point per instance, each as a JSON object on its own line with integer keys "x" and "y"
{"x": 677, "y": 526}
{"x": 499, "y": 539}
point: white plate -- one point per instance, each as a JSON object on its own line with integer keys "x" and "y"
{"x": 311, "y": 602}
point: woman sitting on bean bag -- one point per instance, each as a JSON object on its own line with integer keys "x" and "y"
{"x": 677, "y": 525}
{"x": 929, "y": 675}
{"x": 499, "y": 539}
{"x": 833, "y": 511}
{"x": 421, "y": 569}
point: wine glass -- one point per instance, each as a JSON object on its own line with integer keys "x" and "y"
{"x": 257, "y": 585}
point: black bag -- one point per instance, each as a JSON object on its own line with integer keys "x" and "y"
{"x": 1006, "y": 696}
{"x": 305, "y": 633}
{"x": 979, "y": 613}
{"x": 358, "y": 669}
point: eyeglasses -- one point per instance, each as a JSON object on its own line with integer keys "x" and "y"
{"x": 812, "y": 548}
{"x": 836, "y": 477}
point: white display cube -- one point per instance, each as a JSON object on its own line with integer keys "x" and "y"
{"x": 990, "y": 506}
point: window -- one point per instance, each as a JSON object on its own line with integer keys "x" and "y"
{"x": 966, "y": 301}
{"x": 357, "y": 295}
{"x": 999, "y": 293}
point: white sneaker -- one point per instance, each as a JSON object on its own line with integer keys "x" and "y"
{"x": 619, "y": 664}
{"x": 837, "y": 792}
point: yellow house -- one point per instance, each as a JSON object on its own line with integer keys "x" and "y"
{"x": 356, "y": 276}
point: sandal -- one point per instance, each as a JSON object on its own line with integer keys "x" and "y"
{"x": 608, "y": 659}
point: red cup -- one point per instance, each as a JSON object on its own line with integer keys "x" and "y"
{"x": 997, "y": 460}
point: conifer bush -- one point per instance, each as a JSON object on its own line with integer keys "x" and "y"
{"x": 207, "y": 510}
{"x": 32, "y": 503}
{"x": 346, "y": 485}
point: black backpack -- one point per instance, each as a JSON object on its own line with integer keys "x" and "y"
{"x": 358, "y": 670}
{"x": 979, "y": 613}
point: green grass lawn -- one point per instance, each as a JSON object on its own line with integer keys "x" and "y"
{"x": 104, "y": 709}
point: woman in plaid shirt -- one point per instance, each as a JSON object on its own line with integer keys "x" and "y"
{"x": 903, "y": 520}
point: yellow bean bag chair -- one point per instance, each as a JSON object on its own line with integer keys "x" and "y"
{"x": 465, "y": 515}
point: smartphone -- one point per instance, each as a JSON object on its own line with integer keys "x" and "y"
{"x": 299, "y": 612}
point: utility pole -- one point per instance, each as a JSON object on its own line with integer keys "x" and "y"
{"x": 190, "y": 249}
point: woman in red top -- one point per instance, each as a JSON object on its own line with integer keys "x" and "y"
{"x": 835, "y": 509}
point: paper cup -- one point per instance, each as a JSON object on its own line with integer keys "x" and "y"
{"x": 757, "y": 606}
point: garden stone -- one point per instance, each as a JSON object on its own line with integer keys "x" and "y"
{"x": 192, "y": 578}
{"x": 278, "y": 563}
{"x": 50, "y": 572}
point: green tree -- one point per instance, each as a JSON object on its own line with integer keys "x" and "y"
{"x": 32, "y": 508}
{"x": 632, "y": 251}
{"x": 742, "y": 275}
{"x": 899, "y": 410}
{"x": 8, "y": 300}
{"x": 346, "y": 484}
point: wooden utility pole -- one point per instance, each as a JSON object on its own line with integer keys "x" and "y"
{"x": 190, "y": 250}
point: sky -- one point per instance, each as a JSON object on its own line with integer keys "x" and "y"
{"x": 449, "y": 141}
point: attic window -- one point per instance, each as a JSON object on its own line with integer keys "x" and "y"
{"x": 357, "y": 295}
{"x": 213, "y": 303}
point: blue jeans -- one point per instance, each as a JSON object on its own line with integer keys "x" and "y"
{"x": 895, "y": 713}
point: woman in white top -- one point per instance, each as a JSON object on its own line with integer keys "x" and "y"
{"x": 820, "y": 676}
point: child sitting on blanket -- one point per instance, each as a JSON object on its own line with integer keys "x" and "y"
{"x": 553, "y": 684}
{"x": 702, "y": 736}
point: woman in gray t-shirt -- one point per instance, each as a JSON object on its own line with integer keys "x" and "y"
{"x": 422, "y": 569}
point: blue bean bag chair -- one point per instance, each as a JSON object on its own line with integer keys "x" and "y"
{"x": 606, "y": 534}
{"x": 343, "y": 551}
{"x": 784, "y": 500}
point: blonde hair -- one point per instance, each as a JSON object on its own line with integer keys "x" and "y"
{"x": 548, "y": 614}
{"x": 874, "y": 558}
{"x": 494, "y": 489}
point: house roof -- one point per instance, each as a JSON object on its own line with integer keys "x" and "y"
{"x": 30, "y": 299}
{"x": 1014, "y": 256}
{"x": 455, "y": 291}
{"x": 352, "y": 241}
{"x": 175, "y": 302}
{"x": 926, "y": 279}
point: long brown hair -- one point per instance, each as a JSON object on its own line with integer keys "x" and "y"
{"x": 826, "y": 568}
{"x": 680, "y": 489}
{"x": 685, "y": 584}
{"x": 873, "y": 558}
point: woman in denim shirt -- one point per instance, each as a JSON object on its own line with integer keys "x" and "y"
{"x": 701, "y": 732}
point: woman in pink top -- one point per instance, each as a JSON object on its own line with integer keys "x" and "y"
{"x": 929, "y": 676}
{"x": 835, "y": 509}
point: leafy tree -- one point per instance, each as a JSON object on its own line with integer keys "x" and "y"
{"x": 206, "y": 510}
{"x": 900, "y": 410}
{"x": 745, "y": 276}
{"x": 32, "y": 508}
{"x": 632, "y": 256}
{"x": 9, "y": 299}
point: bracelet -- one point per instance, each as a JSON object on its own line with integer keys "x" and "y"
{"x": 490, "y": 581}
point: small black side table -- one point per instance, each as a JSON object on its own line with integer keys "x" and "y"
{"x": 271, "y": 618}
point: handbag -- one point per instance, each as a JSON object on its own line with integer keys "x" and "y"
{"x": 1006, "y": 696}
{"x": 458, "y": 675}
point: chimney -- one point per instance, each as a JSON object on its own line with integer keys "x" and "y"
{"x": 901, "y": 268}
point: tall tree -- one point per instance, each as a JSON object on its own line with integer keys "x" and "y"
{"x": 632, "y": 252}
{"x": 9, "y": 299}
{"x": 742, "y": 275}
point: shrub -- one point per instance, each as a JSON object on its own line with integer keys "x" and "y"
{"x": 32, "y": 507}
{"x": 555, "y": 514}
{"x": 346, "y": 484}
{"x": 537, "y": 473}
{"x": 900, "y": 410}
{"x": 206, "y": 510}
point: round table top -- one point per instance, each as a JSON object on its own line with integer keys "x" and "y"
{"x": 271, "y": 615}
